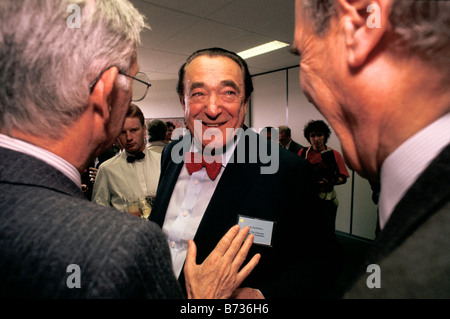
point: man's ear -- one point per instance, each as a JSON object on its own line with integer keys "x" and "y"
{"x": 364, "y": 23}
{"x": 102, "y": 93}
{"x": 144, "y": 128}
{"x": 246, "y": 105}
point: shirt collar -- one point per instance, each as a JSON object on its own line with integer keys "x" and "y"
{"x": 403, "y": 166}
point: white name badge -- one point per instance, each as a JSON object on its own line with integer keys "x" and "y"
{"x": 261, "y": 229}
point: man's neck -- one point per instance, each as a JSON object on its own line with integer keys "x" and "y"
{"x": 417, "y": 103}
{"x": 65, "y": 147}
{"x": 142, "y": 149}
{"x": 405, "y": 96}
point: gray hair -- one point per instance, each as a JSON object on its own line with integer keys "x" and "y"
{"x": 320, "y": 12}
{"x": 419, "y": 27}
{"x": 46, "y": 66}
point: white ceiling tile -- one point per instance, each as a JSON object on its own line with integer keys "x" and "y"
{"x": 200, "y": 8}
{"x": 202, "y": 35}
{"x": 156, "y": 60}
{"x": 180, "y": 27}
{"x": 253, "y": 15}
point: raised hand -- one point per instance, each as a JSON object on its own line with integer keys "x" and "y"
{"x": 220, "y": 274}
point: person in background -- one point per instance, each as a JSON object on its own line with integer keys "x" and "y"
{"x": 286, "y": 140}
{"x": 329, "y": 167}
{"x": 128, "y": 182}
{"x": 59, "y": 109}
{"x": 379, "y": 73}
{"x": 170, "y": 128}
{"x": 90, "y": 173}
{"x": 267, "y": 132}
{"x": 157, "y": 133}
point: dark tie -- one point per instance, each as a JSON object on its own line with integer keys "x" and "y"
{"x": 138, "y": 156}
{"x": 195, "y": 162}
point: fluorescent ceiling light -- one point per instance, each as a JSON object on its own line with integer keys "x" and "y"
{"x": 268, "y": 47}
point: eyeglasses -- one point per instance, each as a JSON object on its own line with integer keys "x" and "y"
{"x": 140, "y": 84}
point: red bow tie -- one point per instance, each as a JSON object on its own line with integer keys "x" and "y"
{"x": 195, "y": 162}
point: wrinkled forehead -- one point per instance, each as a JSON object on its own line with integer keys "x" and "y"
{"x": 214, "y": 64}
{"x": 205, "y": 70}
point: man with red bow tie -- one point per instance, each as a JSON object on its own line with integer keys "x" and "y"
{"x": 221, "y": 174}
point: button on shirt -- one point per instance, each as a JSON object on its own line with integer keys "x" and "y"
{"x": 190, "y": 198}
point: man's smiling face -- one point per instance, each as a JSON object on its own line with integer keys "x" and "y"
{"x": 215, "y": 95}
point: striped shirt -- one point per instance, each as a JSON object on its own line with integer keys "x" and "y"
{"x": 402, "y": 167}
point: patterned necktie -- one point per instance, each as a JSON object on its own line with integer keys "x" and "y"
{"x": 195, "y": 162}
{"x": 138, "y": 156}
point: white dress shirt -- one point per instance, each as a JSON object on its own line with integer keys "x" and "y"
{"x": 190, "y": 198}
{"x": 46, "y": 156}
{"x": 118, "y": 181}
{"x": 402, "y": 167}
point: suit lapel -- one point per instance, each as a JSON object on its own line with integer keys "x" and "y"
{"x": 427, "y": 194}
{"x": 224, "y": 205}
{"x": 169, "y": 176}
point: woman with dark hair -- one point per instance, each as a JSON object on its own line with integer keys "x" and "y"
{"x": 329, "y": 167}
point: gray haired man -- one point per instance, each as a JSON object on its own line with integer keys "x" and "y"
{"x": 379, "y": 72}
{"x": 64, "y": 92}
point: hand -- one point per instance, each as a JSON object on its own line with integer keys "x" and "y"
{"x": 93, "y": 173}
{"x": 247, "y": 293}
{"x": 138, "y": 213}
{"x": 325, "y": 185}
{"x": 219, "y": 276}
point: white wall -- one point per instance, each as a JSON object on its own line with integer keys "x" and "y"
{"x": 161, "y": 101}
{"x": 278, "y": 100}
{"x": 268, "y": 106}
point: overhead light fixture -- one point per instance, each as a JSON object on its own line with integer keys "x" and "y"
{"x": 261, "y": 49}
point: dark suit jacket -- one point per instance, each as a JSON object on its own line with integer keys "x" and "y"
{"x": 301, "y": 258}
{"x": 46, "y": 224}
{"x": 413, "y": 249}
{"x": 294, "y": 147}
